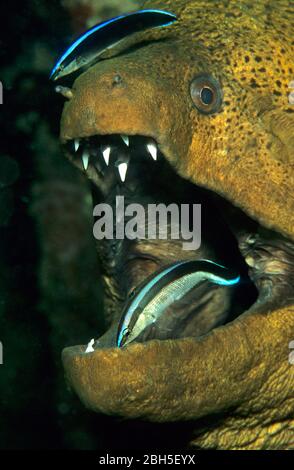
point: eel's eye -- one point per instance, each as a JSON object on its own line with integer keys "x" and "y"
{"x": 206, "y": 94}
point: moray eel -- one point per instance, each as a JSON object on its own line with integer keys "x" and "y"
{"x": 209, "y": 97}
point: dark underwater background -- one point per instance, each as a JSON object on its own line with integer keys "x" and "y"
{"x": 50, "y": 294}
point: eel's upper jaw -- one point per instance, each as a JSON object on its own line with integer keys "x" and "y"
{"x": 134, "y": 102}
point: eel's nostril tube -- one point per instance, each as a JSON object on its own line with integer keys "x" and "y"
{"x": 117, "y": 80}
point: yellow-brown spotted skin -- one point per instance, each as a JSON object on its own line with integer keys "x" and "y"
{"x": 245, "y": 153}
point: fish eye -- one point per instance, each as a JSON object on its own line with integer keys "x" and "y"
{"x": 206, "y": 94}
{"x": 125, "y": 334}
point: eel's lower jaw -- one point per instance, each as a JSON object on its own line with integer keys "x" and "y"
{"x": 130, "y": 166}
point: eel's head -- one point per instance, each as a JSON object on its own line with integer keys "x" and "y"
{"x": 210, "y": 92}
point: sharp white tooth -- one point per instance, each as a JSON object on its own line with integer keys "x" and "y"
{"x": 90, "y": 346}
{"x": 122, "y": 169}
{"x": 126, "y": 139}
{"x": 250, "y": 261}
{"x": 77, "y": 144}
{"x": 106, "y": 154}
{"x": 152, "y": 149}
{"x": 85, "y": 159}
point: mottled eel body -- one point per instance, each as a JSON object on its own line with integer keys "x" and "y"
{"x": 243, "y": 152}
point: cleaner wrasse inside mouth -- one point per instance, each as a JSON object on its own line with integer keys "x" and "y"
{"x": 90, "y": 45}
{"x": 168, "y": 286}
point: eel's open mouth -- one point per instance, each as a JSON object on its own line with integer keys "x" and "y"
{"x": 134, "y": 167}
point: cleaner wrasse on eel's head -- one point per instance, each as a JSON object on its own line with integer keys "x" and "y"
{"x": 89, "y": 46}
{"x": 206, "y": 114}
